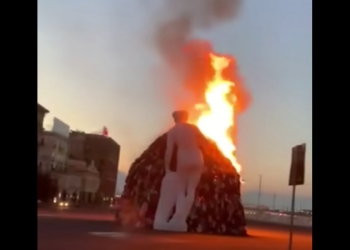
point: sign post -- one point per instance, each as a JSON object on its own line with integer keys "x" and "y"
{"x": 296, "y": 177}
{"x": 292, "y": 219}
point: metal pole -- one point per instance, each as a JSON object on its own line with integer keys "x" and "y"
{"x": 292, "y": 220}
{"x": 259, "y": 194}
{"x": 273, "y": 202}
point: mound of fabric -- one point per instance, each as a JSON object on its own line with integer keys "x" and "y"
{"x": 217, "y": 208}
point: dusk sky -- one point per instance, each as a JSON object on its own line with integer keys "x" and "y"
{"x": 97, "y": 66}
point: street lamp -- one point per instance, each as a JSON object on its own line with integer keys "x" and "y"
{"x": 259, "y": 194}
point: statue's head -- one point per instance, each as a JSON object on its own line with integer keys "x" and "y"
{"x": 180, "y": 116}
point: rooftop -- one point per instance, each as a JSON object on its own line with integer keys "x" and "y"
{"x": 54, "y": 134}
{"x": 42, "y": 109}
{"x": 90, "y": 135}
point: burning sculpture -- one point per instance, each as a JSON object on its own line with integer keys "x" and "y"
{"x": 216, "y": 206}
{"x": 184, "y": 143}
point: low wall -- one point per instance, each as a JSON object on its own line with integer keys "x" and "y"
{"x": 299, "y": 221}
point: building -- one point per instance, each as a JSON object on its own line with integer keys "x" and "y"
{"x": 104, "y": 152}
{"x": 79, "y": 183}
{"x": 41, "y": 115}
{"x": 40, "y": 123}
{"x": 52, "y": 152}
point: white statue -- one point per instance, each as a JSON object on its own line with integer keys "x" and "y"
{"x": 178, "y": 188}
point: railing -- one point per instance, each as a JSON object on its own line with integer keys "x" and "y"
{"x": 302, "y": 221}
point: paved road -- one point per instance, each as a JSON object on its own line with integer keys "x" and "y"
{"x": 67, "y": 230}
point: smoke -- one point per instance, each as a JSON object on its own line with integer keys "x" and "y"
{"x": 183, "y": 17}
{"x": 188, "y": 57}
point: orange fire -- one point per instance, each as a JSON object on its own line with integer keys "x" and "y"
{"x": 217, "y": 114}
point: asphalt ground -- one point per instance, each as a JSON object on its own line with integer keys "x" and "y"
{"x": 78, "y": 229}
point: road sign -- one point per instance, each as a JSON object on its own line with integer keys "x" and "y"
{"x": 297, "y": 169}
{"x": 296, "y": 177}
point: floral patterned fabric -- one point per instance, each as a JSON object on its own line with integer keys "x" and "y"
{"x": 217, "y": 208}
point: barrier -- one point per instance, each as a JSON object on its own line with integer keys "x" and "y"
{"x": 279, "y": 219}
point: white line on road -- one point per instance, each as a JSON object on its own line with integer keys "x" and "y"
{"x": 171, "y": 240}
{"x": 159, "y": 239}
{"x": 110, "y": 234}
{"x": 47, "y": 215}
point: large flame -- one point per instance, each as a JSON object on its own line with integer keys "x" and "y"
{"x": 217, "y": 115}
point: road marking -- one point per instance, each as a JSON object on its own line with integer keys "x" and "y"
{"x": 47, "y": 215}
{"x": 120, "y": 235}
{"x": 110, "y": 234}
{"x": 171, "y": 240}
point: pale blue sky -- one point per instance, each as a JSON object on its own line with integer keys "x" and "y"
{"x": 97, "y": 66}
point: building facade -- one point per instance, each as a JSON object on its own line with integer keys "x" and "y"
{"x": 41, "y": 115}
{"x": 40, "y": 122}
{"x": 104, "y": 152}
{"x": 52, "y": 152}
{"x": 79, "y": 184}
{"x": 90, "y": 184}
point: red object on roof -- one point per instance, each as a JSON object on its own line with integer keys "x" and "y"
{"x": 105, "y": 131}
